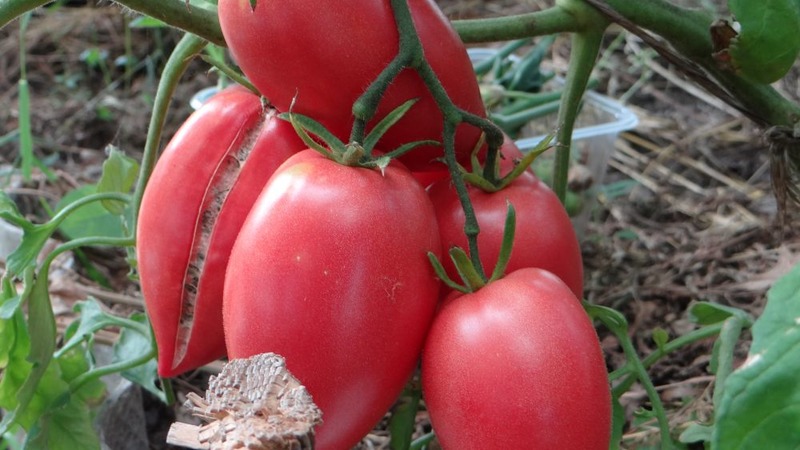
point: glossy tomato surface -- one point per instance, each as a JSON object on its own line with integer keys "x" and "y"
{"x": 544, "y": 236}
{"x": 330, "y": 271}
{"x": 323, "y": 55}
{"x": 197, "y": 198}
{"x": 516, "y": 365}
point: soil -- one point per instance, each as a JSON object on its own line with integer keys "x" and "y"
{"x": 685, "y": 213}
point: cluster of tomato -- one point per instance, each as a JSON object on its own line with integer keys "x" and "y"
{"x": 248, "y": 242}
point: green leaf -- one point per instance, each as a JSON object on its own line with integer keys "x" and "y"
{"x": 147, "y": 22}
{"x": 706, "y": 313}
{"x": 131, "y": 345}
{"x": 9, "y": 211}
{"x": 67, "y": 427}
{"x": 769, "y": 42}
{"x": 119, "y": 175}
{"x": 660, "y": 337}
{"x": 91, "y": 318}
{"x": 618, "y": 421}
{"x": 89, "y": 220}
{"x": 34, "y": 393}
{"x": 404, "y": 415}
{"x": 33, "y": 240}
{"x": 696, "y": 433}
{"x": 760, "y": 405}
{"x": 74, "y": 363}
{"x": 14, "y": 348}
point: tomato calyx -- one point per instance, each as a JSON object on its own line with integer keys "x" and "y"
{"x": 487, "y": 176}
{"x": 354, "y": 154}
{"x": 471, "y": 278}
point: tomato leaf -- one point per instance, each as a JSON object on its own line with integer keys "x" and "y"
{"x": 763, "y": 395}
{"x": 91, "y": 318}
{"x": 768, "y": 43}
{"x": 65, "y": 427}
{"x": 33, "y": 238}
{"x": 131, "y": 345}
{"x": 660, "y": 337}
{"x": 91, "y": 219}
{"x": 706, "y": 313}
{"x": 119, "y": 175}
{"x": 404, "y": 415}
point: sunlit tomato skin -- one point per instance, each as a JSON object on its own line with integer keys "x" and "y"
{"x": 544, "y": 235}
{"x": 322, "y": 55}
{"x": 197, "y": 198}
{"x": 516, "y": 365}
{"x": 330, "y": 271}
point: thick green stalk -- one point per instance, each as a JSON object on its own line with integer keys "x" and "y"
{"x": 539, "y": 23}
{"x": 177, "y": 13}
{"x": 687, "y": 31}
{"x": 189, "y": 46}
{"x": 585, "y": 48}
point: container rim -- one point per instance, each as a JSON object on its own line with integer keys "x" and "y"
{"x": 624, "y": 118}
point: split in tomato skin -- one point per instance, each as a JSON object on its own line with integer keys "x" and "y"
{"x": 319, "y": 57}
{"x": 331, "y": 272}
{"x": 516, "y": 364}
{"x": 197, "y": 198}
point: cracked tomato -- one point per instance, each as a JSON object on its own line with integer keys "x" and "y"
{"x": 196, "y": 200}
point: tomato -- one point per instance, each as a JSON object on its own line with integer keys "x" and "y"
{"x": 200, "y": 192}
{"x": 330, "y": 271}
{"x": 323, "y": 55}
{"x": 516, "y": 364}
{"x": 544, "y": 237}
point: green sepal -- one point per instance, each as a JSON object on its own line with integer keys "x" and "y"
{"x": 466, "y": 270}
{"x": 385, "y": 124}
{"x": 508, "y": 244}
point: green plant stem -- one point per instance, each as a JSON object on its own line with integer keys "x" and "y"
{"x": 671, "y": 346}
{"x": 617, "y": 324}
{"x": 99, "y": 241}
{"x": 658, "y": 407}
{"x": 585, "y": 48}
{"x": 179, "y": 14}
{"x": 188, "y": 47}
{"x": 410, "y": 54}
{"x": 540, "y": 23}
{"x": 687, "y": 31}
{"x": 109, "y": 369}
{"x": 56, "y": 220}
{"x": 728, "y": 337}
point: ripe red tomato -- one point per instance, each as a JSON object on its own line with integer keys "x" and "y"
{"x": 327, "y": 53}
{"x": 330, "y": 271}
{"x": 200, "y": 192}
{"x": 544, "y": 236}
{"x": 517, "y": 365}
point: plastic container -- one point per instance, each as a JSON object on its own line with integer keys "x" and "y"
{"x": 600, "y": 121}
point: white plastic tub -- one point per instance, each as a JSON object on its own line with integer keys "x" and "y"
{"x": 600, "y": 121}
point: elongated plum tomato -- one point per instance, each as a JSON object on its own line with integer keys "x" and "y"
{"x": 330, "y": 271}
{"x": 516, "y": 365}
{"x": 323, "y": 55}
{"x": 544, "y": 236}
{"x": 199, "y": 194}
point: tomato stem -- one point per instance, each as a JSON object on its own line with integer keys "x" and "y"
{"x": 585, "y": 48}
{"x": 188, "y": 47}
